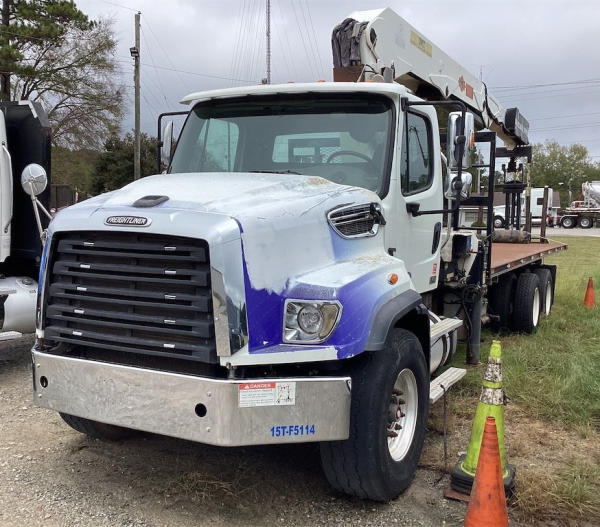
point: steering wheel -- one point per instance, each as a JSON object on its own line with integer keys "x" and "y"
{"x": 349, "y": 153}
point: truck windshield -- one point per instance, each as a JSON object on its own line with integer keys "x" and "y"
{"x": 340, "y": 138}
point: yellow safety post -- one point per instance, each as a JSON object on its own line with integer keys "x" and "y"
{"x": 491, "y": 404}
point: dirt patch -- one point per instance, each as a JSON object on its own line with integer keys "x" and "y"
{"x": 53, "y": 476}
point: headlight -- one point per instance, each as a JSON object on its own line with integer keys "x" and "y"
{"x": 310, "y": 321}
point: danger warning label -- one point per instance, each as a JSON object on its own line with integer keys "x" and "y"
{"x": 266, "y": 394}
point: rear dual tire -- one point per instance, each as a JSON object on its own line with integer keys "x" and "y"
{"x": 546, "y": 289}
{"x": 527, "y": 304}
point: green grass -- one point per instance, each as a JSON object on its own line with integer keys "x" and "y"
{"x": 555, "y": 373}
{"x": 553, "y": 381}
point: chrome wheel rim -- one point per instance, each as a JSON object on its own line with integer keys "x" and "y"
{"x": 536, "y": 307}
{"x": 402, "y": 414}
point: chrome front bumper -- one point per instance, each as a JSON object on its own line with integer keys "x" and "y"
{"x": 218, "y": 412}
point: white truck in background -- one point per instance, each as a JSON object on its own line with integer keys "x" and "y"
{"x": 586, "y": 212}
{"x": 298, "y": 273}
{"x": 536, "y": 209}
{"x": 24, "y": 165}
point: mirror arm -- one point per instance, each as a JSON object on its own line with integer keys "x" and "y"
{"x": 36, "y": 212}
{"x": 413, "y": 209}
{"x": 39, "y": 204}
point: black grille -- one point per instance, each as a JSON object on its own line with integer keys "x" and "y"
{"x": 131, "y": 292}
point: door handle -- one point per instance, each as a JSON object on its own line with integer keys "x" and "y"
{"x": 437, "y": 231}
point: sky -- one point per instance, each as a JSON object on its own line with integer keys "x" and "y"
{"x": 542, "y": 56}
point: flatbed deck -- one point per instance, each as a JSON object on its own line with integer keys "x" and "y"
{"x": 509, "y": 256}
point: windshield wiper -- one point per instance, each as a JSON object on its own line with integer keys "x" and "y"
{"x": 277, "y": 172}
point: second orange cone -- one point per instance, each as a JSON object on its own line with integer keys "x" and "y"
{"x": 487, "y": 507}
{"x": 589, "y": 300}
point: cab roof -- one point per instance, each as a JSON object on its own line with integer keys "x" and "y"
{"x": 386, "y": 88}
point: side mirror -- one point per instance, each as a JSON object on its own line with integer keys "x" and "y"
{"x": 167, "y": 144}
{"x": 459, "y": 188}
{"x": 34, "y": 179}
{"x": 456, "y": 135}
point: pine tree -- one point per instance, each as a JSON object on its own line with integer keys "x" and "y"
{"x": 51, "y": 52}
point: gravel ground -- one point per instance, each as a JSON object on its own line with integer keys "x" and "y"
{"x": 53, "y": 476}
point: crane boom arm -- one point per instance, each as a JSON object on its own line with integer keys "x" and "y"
{"x": 381, "y": 43}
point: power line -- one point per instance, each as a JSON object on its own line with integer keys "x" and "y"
{"x": 533, "y": 96}
{"x": 310, "y": 64}
{"x": 583, "y": 125}
{"x": 236, "y": 48}
{"x": 315, "y": 40}
{"x": 167, "y": 56}
{"x": 290, "y": 61}
{"x": 563, "y": 116}
{"x": 188, "y": 72}
{"x": 526, "y": 86}
{"x": 154, "y": 66}
{"x": 120, "y": 5}
{"x": 311, "y": 41}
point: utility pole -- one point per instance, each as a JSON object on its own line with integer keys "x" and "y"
{"x": 268, "y": 41}
{"x": 135, "y": 53}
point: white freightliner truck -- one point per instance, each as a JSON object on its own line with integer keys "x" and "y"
{"x": 583, "y": 212}
{"x": 295, "y": 275}
{"x": 24, "y": 165}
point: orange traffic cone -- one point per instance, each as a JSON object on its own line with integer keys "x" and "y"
{"x": 487, "y": 507}
{"x": 589, "y": 300}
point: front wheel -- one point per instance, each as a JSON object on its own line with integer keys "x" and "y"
{"x": 390, "y": 403}
{"x": 96, "y": 429}
{"x": 568, "y": 222}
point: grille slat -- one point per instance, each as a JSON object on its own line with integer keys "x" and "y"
{"x": 114, "y": 317}
{"x": 151, "y": 347}
{"x": 133, "y": 292}
{"x": 127, "y": 302}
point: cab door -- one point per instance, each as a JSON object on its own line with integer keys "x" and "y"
{"x": 417, "y": 239}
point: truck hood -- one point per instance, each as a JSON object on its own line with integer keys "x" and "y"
{"x": 236, "y": 194}
{"x": 282, "y": 218}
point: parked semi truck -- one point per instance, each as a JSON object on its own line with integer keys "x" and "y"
{"x": 24, "y": 172}
{"x": 297, "y": 274}
{"x": 586, "y": 212}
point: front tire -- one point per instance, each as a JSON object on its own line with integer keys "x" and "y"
{"x": 96, "y": 429}
{"x": 390, "y": 403}
{"x": 568, "y": 222}
{"x": 498, "y": 222}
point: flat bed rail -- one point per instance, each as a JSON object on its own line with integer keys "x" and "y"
{"x": 509, "y": 256}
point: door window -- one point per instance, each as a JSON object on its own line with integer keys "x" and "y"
{"x": 416, "y": 167}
